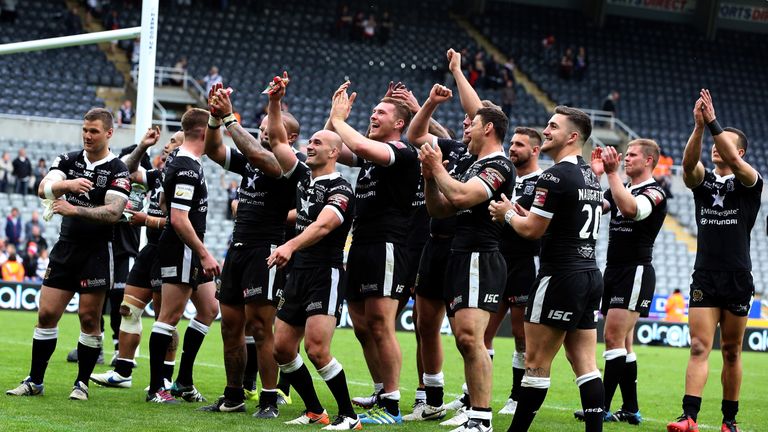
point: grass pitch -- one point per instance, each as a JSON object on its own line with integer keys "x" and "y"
{"x": 661, "y": 378}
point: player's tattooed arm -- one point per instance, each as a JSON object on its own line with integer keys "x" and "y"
{"x": 252, "y": 149}
{"x": 693, "y": 169}
{"x": 107, "y": 214}
{"x": 133, "y": 159}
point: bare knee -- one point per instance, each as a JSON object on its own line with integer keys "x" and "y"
{"x": 700, "y": 348}
{"x": 467, "y": 342}
{"x": 378, "y": 327}
{"x": 614, "y": 340}
{"x": 731, "y": 353}
{"x": 318, "y": 354}
{"x": 260, "y": 331}
{"x": 47, "y": 318}
{"x": 90, "y": 321}
{"x": 231, "y": 335}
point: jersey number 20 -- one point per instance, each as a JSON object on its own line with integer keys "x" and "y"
{"x": 593, "y": 218}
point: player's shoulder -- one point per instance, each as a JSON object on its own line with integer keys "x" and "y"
{"x": 340, "y": 184}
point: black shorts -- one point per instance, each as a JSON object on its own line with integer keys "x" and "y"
{"x": 376, "y": 270}
{"x": 311, "y": 291}
{"x": 430, "y": 280}
{"x": 123, "y": 266}
{"x": 180, "y": 265}
{"x": 629, "y": 287}
{"x": 566, "y": 301}
{"x": 732, "y": 291}
{"x": 81, "y": 268}
{"x": 521, "y": 272}
{"x": 145, "y": 272}
{"x": 475, "y": 280}
{"x": 414, "y": 257}
{"x": 245, "y": 277}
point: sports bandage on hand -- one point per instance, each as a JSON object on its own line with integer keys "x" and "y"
{"x": 213, "y": 122}
{"x": 508, "y": 216}
{"x": 715, "y": 128}
{"x": 48, "y": 190}
{"x": 229, "y": 119}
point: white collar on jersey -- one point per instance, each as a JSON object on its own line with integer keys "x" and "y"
{"x": 494, "y": 154}
{"x": 571, "y": 159}
{"x": 186, "y": 153}
{"x": 723, "y": 179}
{"x": 529, "y": 175}
{"x": 331, "y": 176}
{"x": 632, "y": 187}
{"x": 91, "y": 165}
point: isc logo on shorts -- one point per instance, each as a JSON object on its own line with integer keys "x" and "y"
{"x": 491, "y": 298}
{"x": 559, "y": 315}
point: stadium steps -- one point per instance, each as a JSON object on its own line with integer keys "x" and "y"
{"x": 530, "y": 87}
{"x": 681, "y": 234}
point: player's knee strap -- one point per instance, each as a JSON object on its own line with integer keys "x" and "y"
{"x": 587, "y": 377}
{"x": 292, "y": 366}
{"x": 614, "y": 353}
{"x": 131, "y": 323}
{"x": 330, "y": 370}
{"x": 92, "y": 341}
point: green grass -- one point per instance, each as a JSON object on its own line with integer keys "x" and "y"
{"x": 662, "y": 373}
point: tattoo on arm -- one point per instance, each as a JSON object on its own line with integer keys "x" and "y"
{"x": 133, "y": 160}
{"x": 107, "y": 214}
{"x": 252, "y": 149}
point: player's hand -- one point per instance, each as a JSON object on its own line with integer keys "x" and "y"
{"x": 278, "y": 90}
{"x": 212, "y": 98}
{"x": 150, "y": 138}
{"x": 210, "y": 265}
{"x": 392, "y": 87}
{"x": 707, "y": 108}
{"x": 454, "y": 60}
{"x": 597, "y": 162}
{"x": 280, "y": 256}
{"x": 431, "y": 158}
{"x": 698, "y": 114}
{"x": 520, "y": 210}
{"x": 611, "y": 160}
{"x": 79, "y": 186}
{"x": 342, "y": 103}
{"x": 137, "y": 219}
{"x": 62, "y": 207}
{"x": 500, "y": 208}
{"x": 440, "y": 94}
{"x": 221, "y": 103}
{"x": 407, "y": 96}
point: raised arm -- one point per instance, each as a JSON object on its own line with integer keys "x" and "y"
{"x": 257, "y": 155}
{"x": 693, "y": 169}
{"x": 418, "y": 131}
{"x": 470, "y": 101}
{"x": 133, "y": 159}
{"x": 726, "y": 146}
{"x": 278, "y": 136}
{"x": 374, "y": 151}
{"x": 629, "y": 205}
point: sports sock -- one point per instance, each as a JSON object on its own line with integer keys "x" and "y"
{"x": 729, "y": 408}
{"x": 251, "y": 364}
{"x": 336, "y": 380}
{"x": 159, "y": 340}
{"x": 421, "y": 395}
{"x": 168, "y": 367}
{"x": 193, "y": 339}
{"x": 615, "y": 360}
{"x": 124, "y": 367}
{"x": 434, "y": 388}
{"x": 88, "y": 349}
{"x": 592, "y": 400}
{"x": 43, "y": 346}
{"x": 283, "y": 384}
{"x": 234, "y": 394}
{"x": 628, "y": 384}
{"x": 115, "y": 298}
{"x": 390, "y": 402}
{"x": 533, "y": 391}
{"x": 296, "y": 374}
{"x": 268, "y": 397}
{"x": 482, "y": 414}
{"x": 691, "y": 406}
{"x": 491, "y": 352}
{"x": 518, "y": 371}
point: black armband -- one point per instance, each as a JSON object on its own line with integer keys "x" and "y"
{"x": 714, "y": 127}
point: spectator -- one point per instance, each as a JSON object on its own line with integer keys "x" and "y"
{"x": 580, "y": 64}
{"x": 22, "y": 170}
{"x": 212, "y": 78}
{"x": 6, "y": 168}
{"x": 357, "y": 27}
{"x": 179, "y": 70}
{"x": 8, "y": 11}
{"x": 675, "y": 307}
{"x": 3, "y": 255}
{"x": 41, "y": 169}
{"x": 231, "y": 196}
{"x": 112, "y": 22}
{"x": 369, "y": 28}
{"x": 609, "y": 104}
{"x": 37, "y": 238}
{"x": 566, "y": 64}
{"x": 34, "y": 221}
{"x": 42, "y": 263}
{"x": 385, "y": 28}
{"x": 30, "y": 261}
{"x": 479, "y": 66}
{"x": 343, "y": 23}
{"x": 13, "y": 228}
{"x": 125, "y": 113}
{"x": 548, "y": 49}
{"x": 663, "y": 173}
{"x": 12, "y": 269}
{"x": 508, "y": 97}
{"x": 135, "y": 53}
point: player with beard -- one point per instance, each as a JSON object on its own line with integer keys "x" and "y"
{"x": 521, "y": 256}
{"x": 89, "y": 188}
{"x": 563, "y": 304}
{"x": 376, "y": 266}
{"x": 727, "y": 202}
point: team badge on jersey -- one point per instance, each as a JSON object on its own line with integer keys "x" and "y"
{"x": 493, "y": 177}
{"x": 184, "y": 191}
{"x": 339, "y": 200}
{"x": 541, "y": 197}
{"x": 655, "y": 196}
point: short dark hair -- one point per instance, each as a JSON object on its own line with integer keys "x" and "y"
{"x": 402, "y": 111}
{"x": 497, "y": 118}
{"x": 291, "y": 124}
{"x": 578, "y": 118}
{"x": 194, "y": 122}
{"x": 532, "y": 133}
{"x": 100, "y": 114}
{"x": 742, "y": 142}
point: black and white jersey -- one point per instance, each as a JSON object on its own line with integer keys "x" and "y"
{"x": 568, "y": 193}
{"x": 725, "y": 214}
{"x": 452, "y": 151}
{"x": 154, "y": 182}
{"x": 512, "y": 245}
{"x": 384, "y": 196}
{"x": 263, "y": 202}
{"x": 475, "y": 230}
{"x": 127, "y": 237}
{"x": 109, "y": 176}
{"x": 185, "y": 189}
{"x": 312, "y": 196}
{"x": 630, "y": 242}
